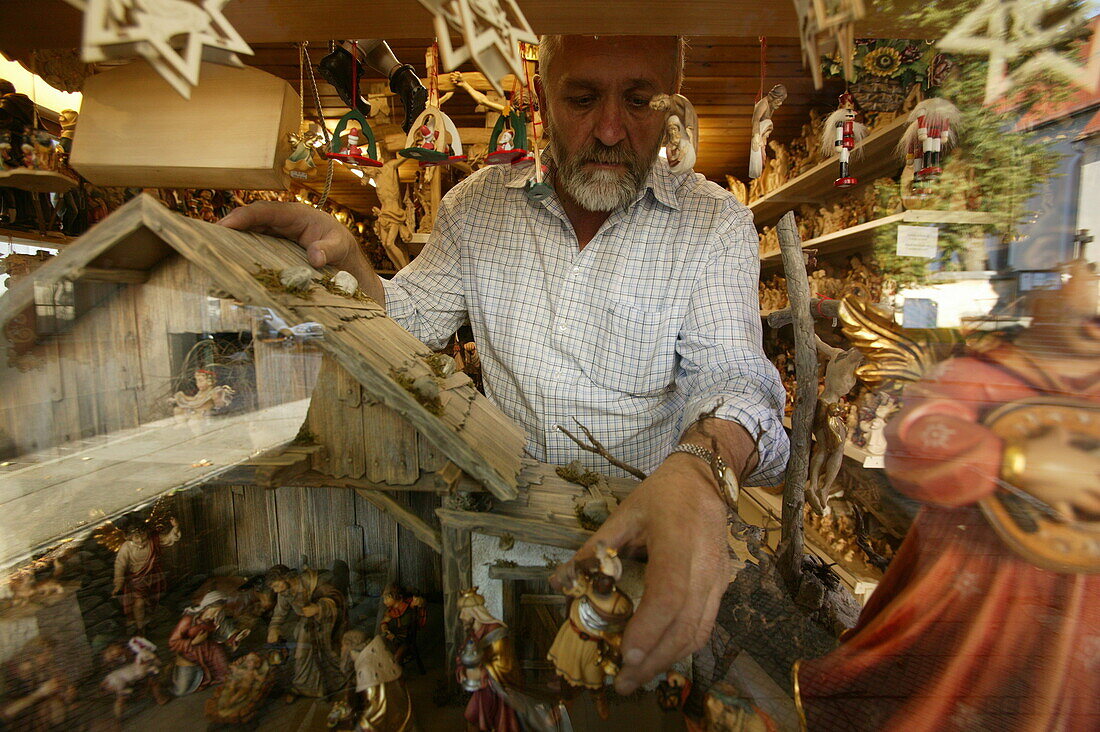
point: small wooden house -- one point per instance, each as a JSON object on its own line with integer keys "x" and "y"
{"x": 342, "y": 449}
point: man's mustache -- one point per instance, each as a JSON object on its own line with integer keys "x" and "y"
{"x": 603, "y": 155}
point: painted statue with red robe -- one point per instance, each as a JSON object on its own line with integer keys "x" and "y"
{"x": 989, "y": 615}
{"x": 201, "y": 659}
{"x": 486, "y": 667}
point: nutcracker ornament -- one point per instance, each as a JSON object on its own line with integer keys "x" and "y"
{"x": 841, "y": 136}
{"x": 932, "y": 131}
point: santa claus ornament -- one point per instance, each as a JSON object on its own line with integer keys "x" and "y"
{"x": 508, "y": 141}
{"x": 841, "y": 136}
{"x": 353, "y": 141}
{"x": 433, "y": 138}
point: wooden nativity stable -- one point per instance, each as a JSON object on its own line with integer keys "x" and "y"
{"x": 328, "y": 454}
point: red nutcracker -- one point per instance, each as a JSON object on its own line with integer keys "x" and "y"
{"x": 841, "y": 136}
{"x": 930, "y": 134}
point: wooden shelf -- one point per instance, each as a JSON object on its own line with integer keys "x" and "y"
{"x": 856, "y": 237}
{"x": 876, "y": 159}
{"x": 53, "y": 239}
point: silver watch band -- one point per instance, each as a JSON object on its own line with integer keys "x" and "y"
{"x": 702, "y": 453}
{"x": 728, "y": 489}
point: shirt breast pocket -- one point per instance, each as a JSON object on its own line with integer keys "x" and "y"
{"x": 635, "y": 350}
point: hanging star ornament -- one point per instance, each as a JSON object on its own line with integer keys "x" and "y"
{"x": 174, "y": 36}
{"x": 826, "y": 27}
{"x": 1009, "y": 31}
{"x": 491, "y": 30}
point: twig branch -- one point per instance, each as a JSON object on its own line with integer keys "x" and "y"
{"x": 599, "y": 449}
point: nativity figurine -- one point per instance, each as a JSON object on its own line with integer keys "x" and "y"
{"x": 486, "y": 667}
{"x": 762, "y": 126}
{"x": 406, "y": 613}
{"x": 140, "y": 578}
{"x": 36, "y": 692}
{"x": 830, "y": 427}
{"x": 209, "y": 398}
{"x": 200, "y": 640}
{"x": 320, "y": 610}
{"x": 382, "y": 702}
{"x": 248, "y": 683}
{"x": 586, "y": 650}
{"x": 135, "y": 662}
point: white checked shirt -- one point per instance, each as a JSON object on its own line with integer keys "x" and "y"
{"x": 653, "y": 323}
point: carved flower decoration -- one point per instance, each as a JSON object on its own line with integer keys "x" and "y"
{"x": 883, "y": 61}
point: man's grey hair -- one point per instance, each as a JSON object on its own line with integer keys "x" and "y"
{"x": 550, "y": 46}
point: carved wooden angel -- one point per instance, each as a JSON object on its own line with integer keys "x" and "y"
{"x": 830, "y": 428}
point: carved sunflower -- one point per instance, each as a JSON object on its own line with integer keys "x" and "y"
{"x": 884, "y": 61}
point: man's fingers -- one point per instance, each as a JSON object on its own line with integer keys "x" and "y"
{"x": 619, "y": 530}
{"x": 656, "y": 621}
{"x": 288, "y": 220}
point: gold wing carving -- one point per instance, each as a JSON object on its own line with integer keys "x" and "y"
{"x": 110, "y": 536}
{"x": 894, "y": 356}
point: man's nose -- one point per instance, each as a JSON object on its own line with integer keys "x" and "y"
{"x": 610, "y": 129}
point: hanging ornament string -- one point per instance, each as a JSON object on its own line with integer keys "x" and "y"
{"x": 301, "y": 86}
{"x": 324, "y": 127}
{"x": 433, "y": 76}
{"x": 763, "y": 66}
{"x": 534, "y": 112}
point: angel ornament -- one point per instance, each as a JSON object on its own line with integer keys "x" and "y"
{"x": 681, "y": 140}
{"x": 841, "y": 136}
{"x": 586, "y": 650}
{"x": 762, "y": 128}
{"x": 208, "y": 398}
{"x": 830, "y": 428}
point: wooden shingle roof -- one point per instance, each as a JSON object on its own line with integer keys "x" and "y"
{"x": 462, "y": 424}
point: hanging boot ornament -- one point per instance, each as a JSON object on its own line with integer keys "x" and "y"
{"x": 841, "y": 136}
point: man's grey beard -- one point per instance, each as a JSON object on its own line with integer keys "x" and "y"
{"x": 601, "y": 189}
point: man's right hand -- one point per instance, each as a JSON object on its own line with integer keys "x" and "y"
{"x": 273, "y": 636}
{"x": 325, "y": 240}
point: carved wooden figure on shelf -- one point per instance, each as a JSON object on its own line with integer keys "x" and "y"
{"x": 486, "y": 667}
{"x": 830, "y": 428}
{"x": 391, "y": 220}
{"x": 586, "y": 650}
{"x": 681, "y": 140}
{"x": 762, "y": 128}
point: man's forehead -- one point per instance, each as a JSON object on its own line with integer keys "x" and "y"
{"x": 623, "y": 59}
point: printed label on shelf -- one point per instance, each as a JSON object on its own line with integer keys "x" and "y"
{"x": 918, "y": 241}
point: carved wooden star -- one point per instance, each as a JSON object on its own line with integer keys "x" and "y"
{"x": 491, "y": 30}
{"x": 822, "y": 26}
{"x": 126, "y": 28}
{"x": 1008, "y": 30}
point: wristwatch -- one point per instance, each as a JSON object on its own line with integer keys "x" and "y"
{"x": 727, "y": 481}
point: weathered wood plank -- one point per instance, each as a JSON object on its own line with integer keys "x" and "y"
{"x": 402, "y": 515}
{"x": 512, "y": 574}
{"x": 257, "y": 528}
{"x": 457, "y": 577}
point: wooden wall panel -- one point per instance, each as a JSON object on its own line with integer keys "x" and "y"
{"x": 256, "y": 528}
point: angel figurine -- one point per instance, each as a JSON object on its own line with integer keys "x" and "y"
{"x": 586, "y": 650}
{"x": 986, "y": 618}
{"x": 830, "y": 427}
{"x": 762, "y": 128}
{"x": 206, "y": 400}
{"x": 139, "y": 576}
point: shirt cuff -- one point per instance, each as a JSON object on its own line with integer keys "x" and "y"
{"x": 764, "y": 426}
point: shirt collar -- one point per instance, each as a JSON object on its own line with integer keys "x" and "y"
{"x": 661, "y": 182}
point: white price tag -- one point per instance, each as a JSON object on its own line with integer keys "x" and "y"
{"x": 918, "y": 241}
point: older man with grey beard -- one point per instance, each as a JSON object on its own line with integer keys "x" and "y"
{"x": 627, "y": 300}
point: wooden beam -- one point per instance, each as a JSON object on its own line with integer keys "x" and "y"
{"x": 524, "y": 574}
{"x": 457, "y": 577}
{"x": 418, "y": 526}
{"x": 530, "y": 530}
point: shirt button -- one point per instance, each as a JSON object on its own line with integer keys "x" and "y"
{"x": 563, "y": 327}
{"x": 576, "y": 270}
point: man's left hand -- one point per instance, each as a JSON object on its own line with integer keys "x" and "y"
{"x": 676, "y": 519}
